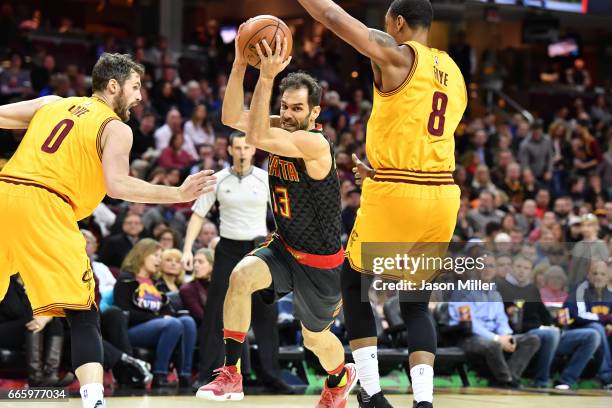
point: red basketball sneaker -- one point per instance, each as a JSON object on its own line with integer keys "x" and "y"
{"x": 226, "y": 386}
{"x": 338, "y": 396}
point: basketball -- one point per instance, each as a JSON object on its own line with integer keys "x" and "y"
{"x": 259, "y": 28}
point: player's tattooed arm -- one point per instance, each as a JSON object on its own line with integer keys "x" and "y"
{"x": 381, "y": 38}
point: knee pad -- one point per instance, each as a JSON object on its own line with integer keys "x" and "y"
{"x": 86, "y": 340}
{"x": 420, "y": 327}
{"x": 358, "y": 314}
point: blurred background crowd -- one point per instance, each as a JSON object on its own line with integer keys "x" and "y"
{"x": 535, "y": 174}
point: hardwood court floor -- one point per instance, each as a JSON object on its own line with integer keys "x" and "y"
{"x": 475, "y": 400}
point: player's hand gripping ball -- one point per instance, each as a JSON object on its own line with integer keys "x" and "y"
{"x": 257, "y": 29}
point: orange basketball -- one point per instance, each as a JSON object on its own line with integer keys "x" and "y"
{"x": 259, "y": 28}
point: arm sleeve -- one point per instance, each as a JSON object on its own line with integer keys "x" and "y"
{"x": 502, "y": 326}
{"x": 577, "y": 310}
{"x": 480, "y": 330}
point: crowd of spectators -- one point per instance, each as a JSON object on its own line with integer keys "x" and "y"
{"x": 532, "y": 188}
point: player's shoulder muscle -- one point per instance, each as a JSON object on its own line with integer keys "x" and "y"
{"x": 46, "y": 100}
{"x": 117, "y": 130}
{"x": 310, "y": 142}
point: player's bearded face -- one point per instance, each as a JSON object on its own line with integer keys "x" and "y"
{"x": 121, "y": 106}
{"x": 293, "y": 124}
{"x": 292, "y": 120}
{"x": 295, "y": 113}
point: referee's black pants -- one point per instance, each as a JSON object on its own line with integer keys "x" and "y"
{"x": 264, "y": 317}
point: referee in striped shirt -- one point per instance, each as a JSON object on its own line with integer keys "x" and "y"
{"x": 243, "y": 197}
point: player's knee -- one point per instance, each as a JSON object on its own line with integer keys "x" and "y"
{"x": 242, "y": 281}
{"x": 86, "y": 338}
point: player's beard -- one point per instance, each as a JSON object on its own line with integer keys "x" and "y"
{"x": 305, "y": 124}
{"x": 293, "y": 126}
{"x": 120, "y": 106}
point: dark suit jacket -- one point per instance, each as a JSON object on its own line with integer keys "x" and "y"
{"x": 114, "y": 249}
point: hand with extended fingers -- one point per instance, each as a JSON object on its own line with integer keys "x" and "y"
{"x": 273, "y": 62}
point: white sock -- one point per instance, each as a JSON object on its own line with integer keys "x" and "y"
{"x": 422, "y": 382}
{"x": 91, "y": 394}
{"x": 366, "y": 360}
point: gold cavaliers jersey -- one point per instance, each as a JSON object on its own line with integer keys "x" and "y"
{"x": 412, "y": 127}
{"x": 61, "y": 151}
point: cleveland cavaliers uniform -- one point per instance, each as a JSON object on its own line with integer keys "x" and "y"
{"x": 305, "y": 255}
{"x": 53, "y": 180}
{"x": 410, "y": 143}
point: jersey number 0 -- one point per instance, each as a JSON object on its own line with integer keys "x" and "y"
{"x": 53, "y": 142}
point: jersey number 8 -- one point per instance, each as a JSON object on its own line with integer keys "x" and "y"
{"x": 438, "y": 106}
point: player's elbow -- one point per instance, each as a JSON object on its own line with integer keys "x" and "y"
{"x": 235, "y": 122}
{"x": 251, "y": 138}
{"x": 114, "y": 189}
{"x": 114, "y": 193}
{"x": 331, "y": 17}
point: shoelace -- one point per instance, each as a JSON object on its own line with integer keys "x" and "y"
{"x": 222, "y": 373}
{"x": 328, "y": 396}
